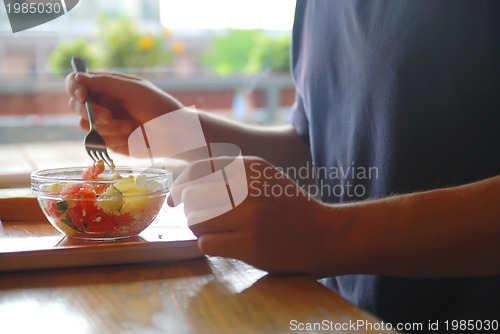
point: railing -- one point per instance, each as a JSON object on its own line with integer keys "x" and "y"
{"x": 276, "y": 90}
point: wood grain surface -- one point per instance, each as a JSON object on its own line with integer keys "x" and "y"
{"x": 206, "y": 295}
{"x": 17, "y": 161}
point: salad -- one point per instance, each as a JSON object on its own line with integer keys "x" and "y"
{"x": 103, "y": 206}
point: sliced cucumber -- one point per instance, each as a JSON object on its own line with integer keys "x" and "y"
{"x": 62, "y": 206}
{"x": 66, "y": 219}
{"x": 111, "y": 200}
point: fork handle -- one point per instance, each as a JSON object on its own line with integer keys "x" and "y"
{"x": 80, "y": 65}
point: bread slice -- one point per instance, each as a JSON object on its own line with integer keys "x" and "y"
{"x": 19, "y": 204}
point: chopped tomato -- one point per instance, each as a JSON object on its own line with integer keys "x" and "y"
{"x": 85, "y": 216}
{"x": 75, "y": 213}
{"x": 52, "y": 209}
{"x": 80, "y": 190}
{"x": 92, "y": 173}
{"x": 70, "y": 190}
{"x": 87, "y": 199}
{"x": 101, "y": 188}
{"x": 122, "y": 219}
{"x": 100, "y": 223}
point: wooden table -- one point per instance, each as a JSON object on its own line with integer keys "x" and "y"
{"x": 205, "y": 295}
{"x": 17, "y": 161}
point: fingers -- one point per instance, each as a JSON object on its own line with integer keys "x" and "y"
{"x": 203, "y": 202}
{"x": 120, "y": 146}
{"x": 102, "y": 114}
{"x": 115, "y": 140}
{"x": 98, "y": 80}
{"x": 106, "y": 91}
{"x": 114, "y": 85}
{"x": 195, "y": 174}
{"x": 115, "y": 127}
{"x": 210, "y": 171}
{"x": 121, "y": 75}
{"x": 239, "y": 219}
{"x": 207, "y": 221}
{"x": 229, "y": 244}
{"x": 75, "y": 89}
{"x": 205, "y": 196}
{"x": 170, "y": 201}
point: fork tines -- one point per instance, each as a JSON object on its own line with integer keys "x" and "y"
{"x": 100, "y": 154}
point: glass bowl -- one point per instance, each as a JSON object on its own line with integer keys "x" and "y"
{"x": 120, "y": 204}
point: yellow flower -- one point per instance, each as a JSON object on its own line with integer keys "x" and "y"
{"x": 177, "y": 47}
{"x": 146, "y": 42}
{"x": 167, "y": 33}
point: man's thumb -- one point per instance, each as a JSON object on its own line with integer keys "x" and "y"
{"x": 115, "y": 86}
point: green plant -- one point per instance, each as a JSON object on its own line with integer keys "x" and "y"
{"x": 60, "y": 58}
{"x": 247, "y": 51}
{"x": 125, "y": 47}
{"x": 229, "y": 51}
{"x": 119, "y": 44}
{"x": 269, "y": 54}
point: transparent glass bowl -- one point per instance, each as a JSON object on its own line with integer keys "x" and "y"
{"x": 101, "y": 209}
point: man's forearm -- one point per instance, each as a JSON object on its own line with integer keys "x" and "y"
{"x": 281, "y": 146}
{"x": 445, "y": 232}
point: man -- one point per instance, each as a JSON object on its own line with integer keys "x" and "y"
{"x": 406, "y": 89}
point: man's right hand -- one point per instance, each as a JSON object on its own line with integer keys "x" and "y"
{"x": 121, "y": 104}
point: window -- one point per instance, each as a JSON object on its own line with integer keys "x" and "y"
{"x": 224, "y": 56}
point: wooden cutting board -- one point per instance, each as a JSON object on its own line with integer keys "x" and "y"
{"x": 38, "y": 245}
{"x": 19, "y": 204}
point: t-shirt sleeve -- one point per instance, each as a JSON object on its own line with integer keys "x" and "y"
{"x": 299, "y": 119}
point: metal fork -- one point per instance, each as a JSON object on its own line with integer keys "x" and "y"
{"x": 94, "y": 143}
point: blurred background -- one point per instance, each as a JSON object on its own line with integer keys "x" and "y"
{"x": 226, "y": 56}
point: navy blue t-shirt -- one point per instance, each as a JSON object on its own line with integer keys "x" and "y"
{"x": 399, "y": 96}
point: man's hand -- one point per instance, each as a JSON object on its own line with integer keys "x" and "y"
{"x": 121, "y": 104}
{"x": 275, "y": 228}
{"x": 450, "y": 232}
